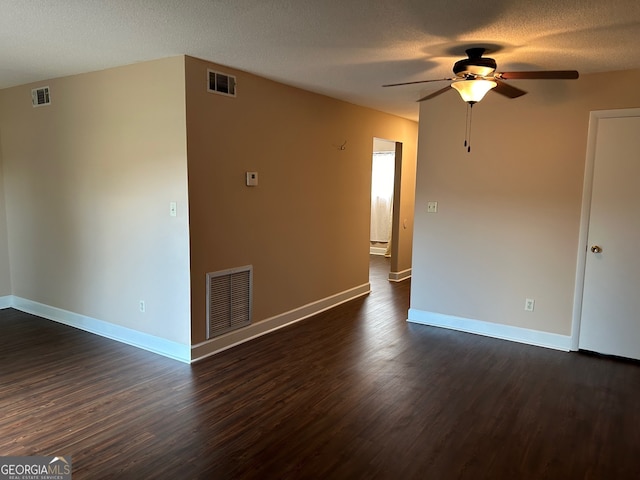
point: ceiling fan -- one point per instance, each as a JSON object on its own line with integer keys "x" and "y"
{"x": 476, "y": 75}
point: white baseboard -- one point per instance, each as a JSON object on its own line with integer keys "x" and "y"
{"x": 126, "y": 335}
{"x": 229, "y": 340}
{"x": 400, "y": 276}
{"x": 6, "y": 301}
{"x": 495, "y": 330}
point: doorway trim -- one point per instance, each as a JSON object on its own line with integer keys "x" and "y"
{"x": 394, "y": 274}
{"x": 397, "y": 225}
{"x": 587, "y": 189}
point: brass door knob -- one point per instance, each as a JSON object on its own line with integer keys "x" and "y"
{"x": 596, "y": 249}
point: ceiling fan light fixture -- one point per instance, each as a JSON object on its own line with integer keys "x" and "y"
{"x": 472, "y": 91}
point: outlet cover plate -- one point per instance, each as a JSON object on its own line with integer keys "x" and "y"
{"x": 529, "y": 304}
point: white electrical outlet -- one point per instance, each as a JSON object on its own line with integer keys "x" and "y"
{"x": 252, "y": 179}
{"x": 529, "y": 303}
{"x": 173, "y": 209}
{"x": 142, "y": 306}
{"x": 432, "y": 207}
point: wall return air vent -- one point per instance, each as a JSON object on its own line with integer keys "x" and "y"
{"x": 221, "y": 83}
{"x": 40, "y": 96}
{"x": 229, "y": 300}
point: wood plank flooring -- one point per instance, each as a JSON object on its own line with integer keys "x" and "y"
{"x": 355, "y": 392}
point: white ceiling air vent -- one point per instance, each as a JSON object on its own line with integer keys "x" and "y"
{"x": 221, "y": 83}
{"x": 229, "y": 301}
{"x": 40, "y": 96}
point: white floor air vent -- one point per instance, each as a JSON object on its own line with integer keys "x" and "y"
{"x": 229, "y": 304}
{"x": 40, "y": 96}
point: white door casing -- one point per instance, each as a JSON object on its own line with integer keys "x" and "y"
{"x": 607, "y": 303}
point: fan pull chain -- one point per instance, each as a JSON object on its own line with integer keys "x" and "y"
{"x": 466, "y": 127}
{"x": 467, "y": 131}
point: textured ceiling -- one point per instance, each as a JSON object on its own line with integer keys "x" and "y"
{"x": 342, "y": 48}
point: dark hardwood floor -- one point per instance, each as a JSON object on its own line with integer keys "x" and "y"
{"x": 355, "y": 392}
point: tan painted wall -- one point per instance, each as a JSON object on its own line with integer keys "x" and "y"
{"x": 5, "y": 271}
{"x": 508, "y": 213}
{"x": 403, "y": 227}
{"x": 305, "y": 228}
{"x": 88, "y": 184}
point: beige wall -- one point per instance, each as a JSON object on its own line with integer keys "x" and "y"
{"x": 508, "y": 213}
{"x": 5, "y": 272}
{"x": 305, "y": 228}
{"x": 88, "y": 184}
{"x": 403, "y": 224}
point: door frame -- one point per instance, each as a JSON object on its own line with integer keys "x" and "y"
{"x": 395, "y": 215}
{"x": 587, "y": 189}
{"x": 396, "y": 223}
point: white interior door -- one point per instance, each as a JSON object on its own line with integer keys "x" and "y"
{"x": 610, "y": 320}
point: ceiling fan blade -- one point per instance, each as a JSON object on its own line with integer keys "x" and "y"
{"x": 436, "y": 93}
{"x": 541, "y": 75}
{"x": 508, "y": 90}
{"x": 419, "y": 81}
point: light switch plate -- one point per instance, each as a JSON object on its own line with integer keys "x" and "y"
{"x": 432, "y": 207}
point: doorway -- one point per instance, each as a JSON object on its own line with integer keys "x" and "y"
{"x": 383, "y": 165}
{"x": 606, "y": 308}
{"x": 386, "y": 241}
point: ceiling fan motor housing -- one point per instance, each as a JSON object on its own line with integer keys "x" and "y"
{"x": 476, "y": 65}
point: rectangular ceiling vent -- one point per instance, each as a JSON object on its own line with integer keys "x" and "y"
{"x": 221, "y": 83}
{"x": 40, "y": 96}
{"x": 229, "y": 300}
